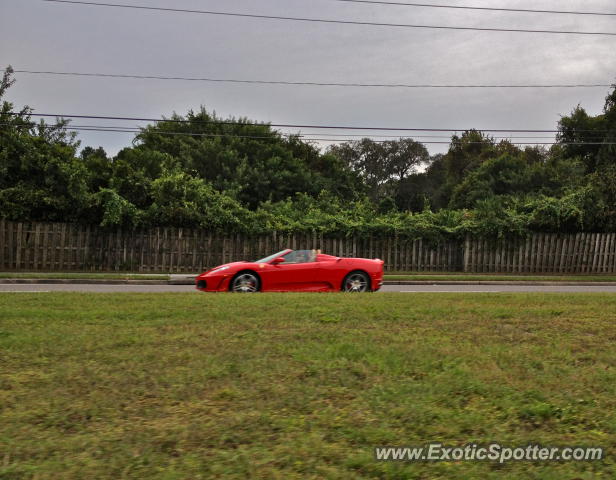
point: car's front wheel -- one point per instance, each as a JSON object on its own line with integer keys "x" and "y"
{"x": 246, "y": 282}
{"x": 356, "y": 282}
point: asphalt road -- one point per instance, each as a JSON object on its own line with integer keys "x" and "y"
{"x": 7, "y": 288}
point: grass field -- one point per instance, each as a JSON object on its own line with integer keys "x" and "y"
{"x": 275, "y": 386}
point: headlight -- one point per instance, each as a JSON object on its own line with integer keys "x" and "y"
{"x": 219, "y": 269}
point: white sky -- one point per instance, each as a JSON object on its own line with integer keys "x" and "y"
{"x": 35, "y": 35}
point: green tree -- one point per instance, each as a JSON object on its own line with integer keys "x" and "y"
{"x": 40, "y": 176}
{"x": 182, "y": 200}
{"x": 249, "y": 160}
{"x": 425, "y": 190}
{"x": 581, "y": 136}
{"x": 592, "y": 139}
{"x": 383, "y": 166}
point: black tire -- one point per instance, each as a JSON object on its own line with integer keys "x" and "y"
{"x": 245, "y": 282}
{"x": 356, "y": 282}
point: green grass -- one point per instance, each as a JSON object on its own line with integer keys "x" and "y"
{"x": 489, "y": 277}
{"x": 84, "y": 276}
{"x": 295, "y": 386}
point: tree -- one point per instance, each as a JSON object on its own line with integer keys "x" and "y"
{"x": 99, "y": 167}
{"x": 249, "y": 160}
{"x": 517, "y": 175}
{"x": 382, "y": 165}
{"x": 591, "y": 139}
{"x": 41, "y": 178}
{"x": 134, "y": 170}
{"x": 581, "y": 136}
{"x": 182, "y": 200}
{"x": 424, "y": 190}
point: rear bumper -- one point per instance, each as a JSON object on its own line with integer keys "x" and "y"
{"x": 376, "y": 281}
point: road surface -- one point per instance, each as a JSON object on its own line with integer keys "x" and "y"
{"x": 7, "y": 288}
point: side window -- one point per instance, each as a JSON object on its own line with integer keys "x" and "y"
{"x": 299, "y": 256}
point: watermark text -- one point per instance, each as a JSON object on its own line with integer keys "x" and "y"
{"x": 493, "y": 452}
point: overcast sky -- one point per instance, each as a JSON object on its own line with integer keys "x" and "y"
{"x": 36, "y": 35}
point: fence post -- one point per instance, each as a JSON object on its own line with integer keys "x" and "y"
{"x": 466, "y": 254}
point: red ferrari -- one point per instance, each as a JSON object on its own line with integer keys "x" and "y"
{"x": 295, "y": 271}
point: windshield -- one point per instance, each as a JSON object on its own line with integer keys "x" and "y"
{"x": 271, "y": 257}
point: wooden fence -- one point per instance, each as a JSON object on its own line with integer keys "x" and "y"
{"x": 542, "y": 253}
{"x": 60, "y": 247}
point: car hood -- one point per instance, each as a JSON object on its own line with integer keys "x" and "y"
{"x": 229, "y": 265}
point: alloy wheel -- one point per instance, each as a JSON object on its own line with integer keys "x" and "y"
{"x": 356, "y": 283}
{"x": 245, "y": 283}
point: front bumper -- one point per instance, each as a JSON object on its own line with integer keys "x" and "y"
{"x": 213, "y": 282}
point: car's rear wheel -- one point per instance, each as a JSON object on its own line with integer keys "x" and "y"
{"x": 245, "y": 282}
{"x": 356, "y": 282}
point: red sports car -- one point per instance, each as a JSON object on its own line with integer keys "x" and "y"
{"x": 295, "y": 271}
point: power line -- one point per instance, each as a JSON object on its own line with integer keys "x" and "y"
{"x": 403, "y": 137}
{"x": 464, "y": 7}
{"x": 94, "y": 128}
{"x": 331, "y": 140}
{"x": 286, "y": 125}
{"x": 138, "y": 129}
{"x": 322, "y": 20}
{"x": 322, "y": 84}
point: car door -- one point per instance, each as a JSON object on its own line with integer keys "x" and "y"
{"x": 292, "y": 275}
{"x": 328, "y": 273}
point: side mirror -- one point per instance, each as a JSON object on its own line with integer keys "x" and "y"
{"x": 277, "y": 261}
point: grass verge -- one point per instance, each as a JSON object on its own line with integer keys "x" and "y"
{"x": 294, "y": 386}
{"x": 83, "y": 276}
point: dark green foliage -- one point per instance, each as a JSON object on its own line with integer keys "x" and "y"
{"x": 599, "y": 132}
{"x": 580, "y": 128}
{"x": 40, "y": 176}
{"x": 517, "y": 175}
{"x": 383, "y": 166}
{"x": 251, "y": 160}
{"x": 179, "y": 199}
{"x": 425, "y": 190}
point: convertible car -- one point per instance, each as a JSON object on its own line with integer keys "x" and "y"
{"x": 295, "y": 271}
